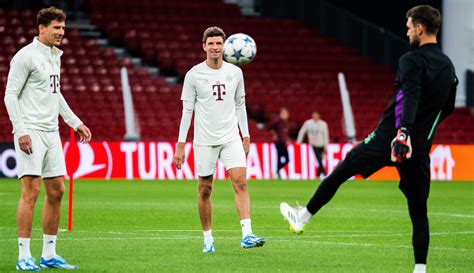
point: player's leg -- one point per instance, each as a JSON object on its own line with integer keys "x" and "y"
{"x": 329, "y": 186}
{"x": 29, "y": 171}
{"x": 205, "y": 210}
{"x": 282, "y": 154}
{"x": 299, "y": 217}
{"x": 318, "y": 152}
{"x": 285, "y": 155}
{"x": 30, "y": 188}
{"x": 363, "y": 159}
{"x": 51, "y": 214}
{"x": 204, "y": 201}
{"x": 54, "y": 169}
{"x": 233, "y": 158}
{"x": 415, "y": 185}
{"x": 205, "y": 158}
{"x": 242, "y": 199}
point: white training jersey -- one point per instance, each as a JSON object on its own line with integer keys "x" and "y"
{"x": 318, "y": 133}
{"x": 214, "y": 92}
{"x": 33, "y": 94}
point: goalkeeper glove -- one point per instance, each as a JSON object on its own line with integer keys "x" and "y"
{"x": 401, "y": 146}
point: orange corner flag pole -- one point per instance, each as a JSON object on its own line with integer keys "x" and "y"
{"x": 71, "y": 185}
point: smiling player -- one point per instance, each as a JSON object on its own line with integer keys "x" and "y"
{"x": 214, "y": 89}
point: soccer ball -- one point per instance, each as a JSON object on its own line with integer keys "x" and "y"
{"x": 239, "y": 49}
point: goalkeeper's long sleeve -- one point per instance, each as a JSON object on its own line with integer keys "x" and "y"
{"x": 449, "y": 106}
{"x": 410, "y": 74}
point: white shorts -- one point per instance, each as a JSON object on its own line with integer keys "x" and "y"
{"x": 47, "y": 159}
{"x": 231, "y": 154}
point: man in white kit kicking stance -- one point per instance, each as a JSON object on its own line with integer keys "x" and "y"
{"x": 215, "y": 90}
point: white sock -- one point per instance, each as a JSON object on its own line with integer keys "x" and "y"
{"x": 420, "y": 268}
{"x": 304, "y": 215}
{"x": 246, "y": 225}
{"x": 208, "y": 236}
{"x": 49, "y": 246}
{"x": 24, "y": 248}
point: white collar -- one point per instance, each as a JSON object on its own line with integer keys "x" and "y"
{"x": 38, "y": 44}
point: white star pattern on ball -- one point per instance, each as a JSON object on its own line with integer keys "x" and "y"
{"x": 240, "y": 49}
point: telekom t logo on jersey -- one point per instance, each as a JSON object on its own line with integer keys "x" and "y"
{"x": 54, "y": 82}
{"x": 218, "y": 90}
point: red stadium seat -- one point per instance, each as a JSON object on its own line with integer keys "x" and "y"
{"x": 301, "y": 76}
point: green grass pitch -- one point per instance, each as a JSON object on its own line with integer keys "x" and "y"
{"x": 153, "y": 226}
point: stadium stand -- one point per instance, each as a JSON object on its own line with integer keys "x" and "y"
{"x": 295, "y": 67}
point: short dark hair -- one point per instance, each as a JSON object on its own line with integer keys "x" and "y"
{"x": 213, "y": 32}
{"x": 46, "y": 15}
{"x": 427, "y": 16}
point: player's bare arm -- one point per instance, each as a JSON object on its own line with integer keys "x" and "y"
{"x": 246, "y": 143}
{"x": 179, "y": 156}
{"x": 84, "y": 133}
{"x": 25, "y": 144}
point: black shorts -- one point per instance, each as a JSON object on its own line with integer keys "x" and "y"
{"x": 368, "y": 157}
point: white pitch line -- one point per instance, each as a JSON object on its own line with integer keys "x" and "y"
{"x": 297, "y": 238}
{"x": 367, "y": 234}
{"x": 229, "y": 230}
{"x": 292, "y": 241}
{"x": 337, "y": 233}
{"x": 452, "y": 215}
{"x": 455, "y": 215}
{"x": 192, "y": 205}
{"x": 119, "y": 238}
{"x": 384, "y": 211}
{"x": 375, "y": 245}
{"x": 141, "y": 204}
{"x": 378, "y": 235}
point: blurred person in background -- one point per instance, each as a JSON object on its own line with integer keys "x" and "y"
{"x": 318, "y": 136}
{"x": 279, "y": 128}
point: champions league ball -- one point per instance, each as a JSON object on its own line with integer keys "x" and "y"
{"x": 239, "y": 49}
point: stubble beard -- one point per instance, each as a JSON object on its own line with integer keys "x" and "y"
{"x": 414, "y": 43}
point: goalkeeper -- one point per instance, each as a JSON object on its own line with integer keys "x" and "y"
{"x": 424, "y": 95}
